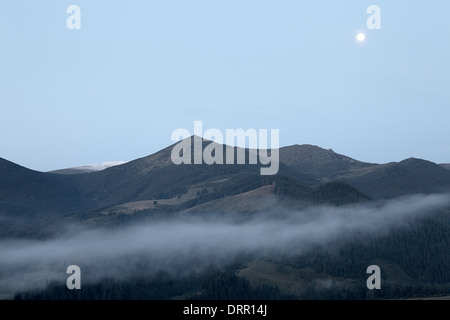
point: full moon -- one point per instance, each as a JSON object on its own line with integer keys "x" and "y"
{"x": 360, "y": 37}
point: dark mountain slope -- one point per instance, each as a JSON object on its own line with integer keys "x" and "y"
{"x": 157, "y": 177}
{"x": 317, "y": 163}
{"x": 152, "y": 177}
{"x": 396, "y": 179}
{"x": 25, "y": 191}
{"x": 337, "y": 193}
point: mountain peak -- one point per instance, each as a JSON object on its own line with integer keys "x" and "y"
{"x": 416, "y": 162}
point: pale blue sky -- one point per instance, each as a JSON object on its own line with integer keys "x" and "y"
{"x": 137, "y": 70}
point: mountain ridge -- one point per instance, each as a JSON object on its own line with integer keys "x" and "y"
{"x": 306, "y": 174}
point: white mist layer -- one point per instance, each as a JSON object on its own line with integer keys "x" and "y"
{"x": 191, "y": 243}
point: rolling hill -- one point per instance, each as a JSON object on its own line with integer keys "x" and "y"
{"x": 391, "y": 180}
{"x": 26, "y": 191}
{"x": 317, "y": 163}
